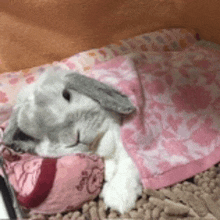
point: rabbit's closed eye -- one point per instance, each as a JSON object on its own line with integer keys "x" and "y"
{"x": 66, "y": 95}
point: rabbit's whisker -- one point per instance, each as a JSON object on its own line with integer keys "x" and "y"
{"x": 94, "y": 145}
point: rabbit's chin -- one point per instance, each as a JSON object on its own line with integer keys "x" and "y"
{"x": 58, "y": 150}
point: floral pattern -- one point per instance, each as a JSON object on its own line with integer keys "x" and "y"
{"x": 191, "y": 98}
{"x": 3, "y": 97}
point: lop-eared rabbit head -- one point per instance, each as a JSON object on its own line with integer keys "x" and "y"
{"x": 63, "y": 112}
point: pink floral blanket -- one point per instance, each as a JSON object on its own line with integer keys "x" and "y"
{"x": 175, "y": 132}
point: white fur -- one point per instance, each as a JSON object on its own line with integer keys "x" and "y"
{"x": 122, "y": 185}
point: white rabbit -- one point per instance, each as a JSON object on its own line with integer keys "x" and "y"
{"x": 64, "y": 112}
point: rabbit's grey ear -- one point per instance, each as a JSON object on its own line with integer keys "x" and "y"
{"x": 108, "y": 97}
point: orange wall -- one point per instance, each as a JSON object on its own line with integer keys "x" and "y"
{"x": 34, "y": 32}
{"x": 203, "y": 16}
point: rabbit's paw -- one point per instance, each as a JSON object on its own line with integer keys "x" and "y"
{"x": 120, "y": 196}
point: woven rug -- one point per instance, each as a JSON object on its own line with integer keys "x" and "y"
{"x": 197, "y": 198}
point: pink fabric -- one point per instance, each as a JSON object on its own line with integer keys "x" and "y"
{"x": 175, "y": 132}
{"x": 48, "y": 185}
{"x": 78, "y": 179}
